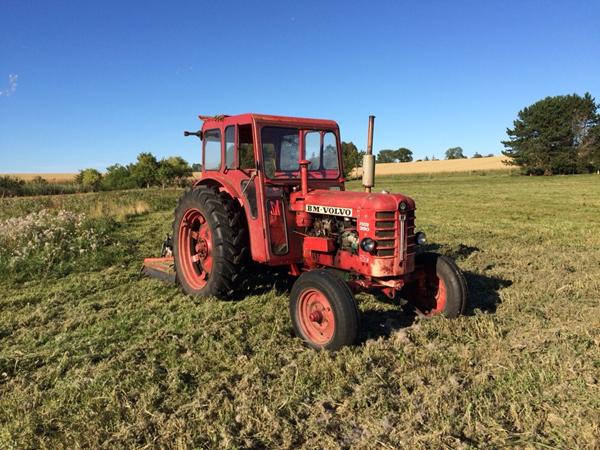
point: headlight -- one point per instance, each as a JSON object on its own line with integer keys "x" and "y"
{"x": 403, "y": 205}
{"x": 368, "y": 245}
{"x": 421, "y": 238}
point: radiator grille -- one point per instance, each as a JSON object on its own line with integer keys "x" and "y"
{"x": 386, "y": 232}
{"x": 396, "y": 235}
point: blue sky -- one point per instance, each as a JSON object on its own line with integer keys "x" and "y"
{"x": 94, "y": 83}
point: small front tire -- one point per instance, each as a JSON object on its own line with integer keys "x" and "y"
{"x": 442, "y": 288}
{"x": 323, "y": 311}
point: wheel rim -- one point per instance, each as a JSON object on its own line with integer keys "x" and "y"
{"x": 316, "y": 317}
{"x": 433, "y": 300}
{"x": 194, "y": 247}
{"x": 439, "y": 296}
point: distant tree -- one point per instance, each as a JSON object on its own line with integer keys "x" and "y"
{"x": 433, "y": 158}
{"x": 426, "y": 158}
{"x": 145, "y": 170}
{"x": 404, "y": 155}
{"x": 554, "y": 135}
{"x": 39, "y": 180}
{"x": 476, "y": 155}
{"x": 118, "y": 177}
{"x": 196, "y": 167}
{"x": 386, "y": 156}
{"x": 389, "y": 156}
{"x": 173, "y": 170}
{"x": 165, "y": 173}
{"x": 182, "y": 167}
{"x": 589, "y": 151}
{"x": 89, "y": 179}
{"x": 351, "y": 156}
{"x": 455, "y": 153}
{"x": 489, "y": 155}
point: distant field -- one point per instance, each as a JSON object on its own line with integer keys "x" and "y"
{"x": 51, "y": 177}
{"x": 105, "y": 358}
{"x": 441, "y": 166}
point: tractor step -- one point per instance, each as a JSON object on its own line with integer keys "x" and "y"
{"x": 160, "y": 268}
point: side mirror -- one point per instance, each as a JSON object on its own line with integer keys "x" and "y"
{"x": 198, "y": 134}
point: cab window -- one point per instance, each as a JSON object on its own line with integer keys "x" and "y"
{"x": 246, "y": 147}
{"x": 280, "y": 151}
{"x": 212, "y": 149}
{"x": 312, "y": 149}
{"x": 330, "y": 154}
{"x": 229, "y": 146}
{"x": 320, "y": 148}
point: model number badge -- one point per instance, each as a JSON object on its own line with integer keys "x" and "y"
{"x": 331, "y": 210}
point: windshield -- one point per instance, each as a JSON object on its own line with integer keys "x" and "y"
{"x": 281, "y": 152}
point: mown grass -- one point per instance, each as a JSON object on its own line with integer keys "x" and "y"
{"x": 109, "y": 359}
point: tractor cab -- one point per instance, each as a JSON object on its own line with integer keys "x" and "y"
{"x": 256, "y": 159}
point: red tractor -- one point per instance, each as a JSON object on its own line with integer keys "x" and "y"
{"x": 272, "y": 191}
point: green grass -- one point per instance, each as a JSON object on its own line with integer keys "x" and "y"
{"x": 107, "y": 358}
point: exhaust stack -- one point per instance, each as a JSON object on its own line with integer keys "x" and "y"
{"x": 368, "y": 180}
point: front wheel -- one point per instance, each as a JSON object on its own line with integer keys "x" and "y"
{"x": 323, "y": 310}
{"x": 441, "y": 287}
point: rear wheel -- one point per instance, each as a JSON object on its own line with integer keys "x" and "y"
{"x": 323, "y": 311}
{"x": 442, "y": 288}
{"x": 209, "y": 243}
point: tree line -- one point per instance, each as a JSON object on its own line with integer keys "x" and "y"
{"x": 145, "y": 172}
{"x": 556, "y": 135}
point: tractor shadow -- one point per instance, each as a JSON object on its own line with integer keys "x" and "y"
{"x": 484, "y": 293}
{"x": 483, "y": 290}
{"x": 458, "y": 252}
{"x": 484, "y": 297}
{"x": 261, "y": 280}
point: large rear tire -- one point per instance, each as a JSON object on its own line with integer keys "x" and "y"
{"x": 443, "y": 290}
{"x": 323, "y": 311}
{"x": 209, "y": 243}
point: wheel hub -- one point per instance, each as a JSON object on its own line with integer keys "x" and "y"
{"x": 316, "y": 316}
{"x": 202, "y": 248}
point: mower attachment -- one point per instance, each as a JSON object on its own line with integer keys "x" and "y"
{"x": 162, "y": 268}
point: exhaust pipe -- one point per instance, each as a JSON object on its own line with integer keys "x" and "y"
{"x": 368, "y": 180}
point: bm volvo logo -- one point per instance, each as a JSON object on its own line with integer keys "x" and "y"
{"x": 331, "y": 210}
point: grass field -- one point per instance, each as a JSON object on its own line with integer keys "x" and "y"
{"x": 104, "y": 358}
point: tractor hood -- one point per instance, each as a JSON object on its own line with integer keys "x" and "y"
{"x": 349, "y": 203}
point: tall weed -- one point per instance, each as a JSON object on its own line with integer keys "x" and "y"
{"x": 48, "y": 242}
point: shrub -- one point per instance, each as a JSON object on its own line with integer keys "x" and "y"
{"x": 89, "y": 179}
{"x": 10, "y": 187}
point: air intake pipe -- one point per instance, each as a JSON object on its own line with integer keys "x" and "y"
{"x": 368, "y": 180}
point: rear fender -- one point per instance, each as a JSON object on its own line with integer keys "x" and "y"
{"x": 257, "y": 242}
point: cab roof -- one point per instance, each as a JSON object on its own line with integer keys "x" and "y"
{"x": 223, "y": 119}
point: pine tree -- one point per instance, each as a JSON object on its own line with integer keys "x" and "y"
{"x": 550, "y": 135}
